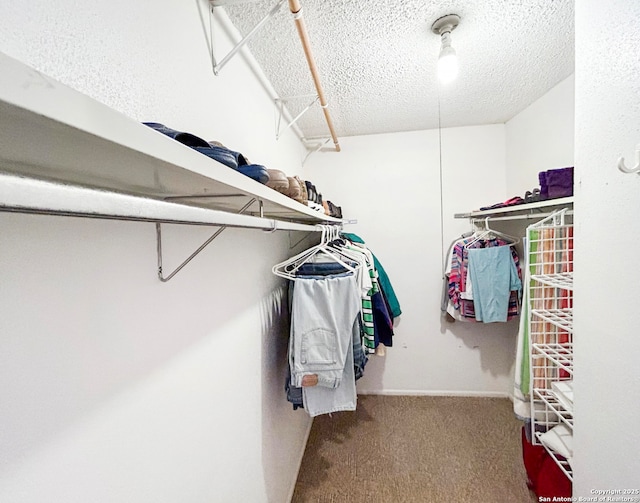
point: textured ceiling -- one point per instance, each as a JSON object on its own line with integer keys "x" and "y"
{"x": 377, "y": 60}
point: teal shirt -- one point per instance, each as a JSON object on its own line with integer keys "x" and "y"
{"x": 383, "y": 279}
{"x": 493, "y": 276}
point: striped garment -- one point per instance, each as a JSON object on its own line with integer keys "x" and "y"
{"x": 368, "y": 328}
{"x": 369, "y": 340}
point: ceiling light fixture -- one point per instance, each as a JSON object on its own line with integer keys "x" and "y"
{"x": 448, "y": 60}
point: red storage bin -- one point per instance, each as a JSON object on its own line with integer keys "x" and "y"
{"x": 544, "y": 476}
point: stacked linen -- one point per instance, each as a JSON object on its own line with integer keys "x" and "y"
{"x": 560, "y": 440}
{"x": 563, "y": 391}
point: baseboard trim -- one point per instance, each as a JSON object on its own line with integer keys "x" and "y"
{"x": 403, "y": 392}
{"x": 300, "y": 457}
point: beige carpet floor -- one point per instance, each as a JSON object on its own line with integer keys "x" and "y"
{"x": 406, "y": 449}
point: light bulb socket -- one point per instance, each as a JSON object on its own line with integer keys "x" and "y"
{"x": 445, "y": 24}
{"x": 445, "y": 39}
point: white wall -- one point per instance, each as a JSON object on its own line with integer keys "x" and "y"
{"x": 116, "y": 387}
{"x": 607, "y": 373}
{"x": 391, "y": 184}
{"x": 540, "y": 138}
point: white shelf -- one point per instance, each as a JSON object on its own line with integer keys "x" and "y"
{"x": 554, "y": 405}
{"x": 525, "y": 210}
{"x": 53, "y": 133}
{"x": 550, "y": 326}
{"x": 41, "y": 197}
{"x": 563, "y": 280}
{"x": 561, "y": 318}
{"x": 561, "y": 354}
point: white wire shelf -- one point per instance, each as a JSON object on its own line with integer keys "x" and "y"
{"x": 562, "y": 280}
{"x": 550, "y": 400}
{"x": 560, "y": 354}
{"x": 560, "y": 461}
{"x": 550, "y": 324}
{"x": 561, "y": 318}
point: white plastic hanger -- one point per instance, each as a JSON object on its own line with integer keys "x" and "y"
{"x": 289, "y": 267}
{"x": 488, "y": 232}
{"x": 355, "y": 255}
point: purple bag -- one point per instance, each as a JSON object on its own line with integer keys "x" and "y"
{"x": 556, "y": 183}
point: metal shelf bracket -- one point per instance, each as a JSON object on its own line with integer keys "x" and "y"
{"x": 292, "y": 246}
{"x": 217, "y": 66}
{"x": 282, "y": 102}
{"x": 200, "y": 248}
{"x": 317, "y": 148}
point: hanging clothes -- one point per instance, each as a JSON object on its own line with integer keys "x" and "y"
{"x": 494, "y": 275}
{"x": 338, "y": 315}
{"x": 385, "y": 283}
{"x": 460, "y": 302}
{"x": 317, "y": 294}
{"x": 324, "y": 313}
{"x": 295, "y": 394}
{"x": 446, "y": 305}
{"x": 378, "y": 324}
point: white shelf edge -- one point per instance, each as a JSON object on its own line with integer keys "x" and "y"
{"x": 564, "y": 201}
{"x": 561, "y": 318}
{"x": 559, "y": 359}
{"x": 561, "y": 280}
{"x": 84, "y": 142}
{"x": 27, "y": 195}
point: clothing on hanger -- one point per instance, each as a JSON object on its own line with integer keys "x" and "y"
{"x": 495, "y": 276}
{"x": 324, "y": 313}
{"x": 329, "y": 337}
{"x": 369, "y": 287}
{"x": 385, "y": 283}
{"x": 460, "y": 302}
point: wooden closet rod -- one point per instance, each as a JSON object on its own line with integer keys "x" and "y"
{"x": 296, "y": 10}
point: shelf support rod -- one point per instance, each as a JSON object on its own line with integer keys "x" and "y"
{"x": 292, "y": 246}
{"x": 218, "y": 66}
{"x": 280, "y": 103}
{"x": 317, "y": 149}
{"x": 200, "y": 248}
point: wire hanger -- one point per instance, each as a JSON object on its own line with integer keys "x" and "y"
{"x": 488, "y": 232}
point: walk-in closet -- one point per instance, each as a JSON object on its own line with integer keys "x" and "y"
{"x": 274, "y": 251}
